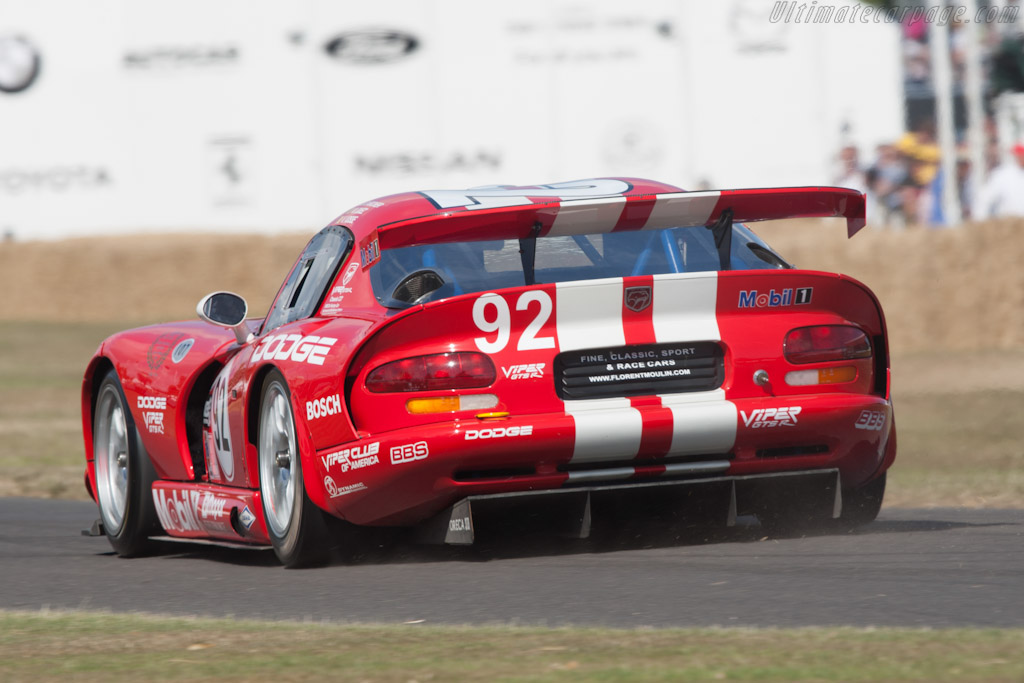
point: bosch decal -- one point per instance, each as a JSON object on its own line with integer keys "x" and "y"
{"x": 323, "y": 407}
{"x": 409, "y": 452}
{"x": 766, "y": 418}
{"x": 787, "y": 297}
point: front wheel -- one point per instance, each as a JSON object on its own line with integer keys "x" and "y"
{"x": 296, "y": 526}
{"x": 124, "y": 473}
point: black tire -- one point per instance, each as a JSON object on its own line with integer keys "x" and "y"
{"x": 297, "y": 528}
{"x": 862, "y": 505}
{"x": 124, "y": 473}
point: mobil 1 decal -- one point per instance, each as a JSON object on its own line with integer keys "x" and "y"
{"x": 775, "y": 298}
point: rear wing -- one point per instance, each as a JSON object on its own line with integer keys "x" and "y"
{"x": 631, "y": 210}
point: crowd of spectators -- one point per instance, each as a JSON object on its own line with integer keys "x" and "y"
{"x": 904, "y": 182}
{"x": 904, "y": 179}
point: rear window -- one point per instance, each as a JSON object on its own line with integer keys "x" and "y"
{"x": 414, "y": 275}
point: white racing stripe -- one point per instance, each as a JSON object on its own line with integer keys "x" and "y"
{"x": 587, "y": 217}
{"x": 682, "y": 209}
{"x": 606, "y": 429}
{"x": 702, "y": 423}
{"x": 588, "y": 314}
{"x": 684, "y": 307}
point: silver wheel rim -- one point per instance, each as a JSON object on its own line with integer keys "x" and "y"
{"x": 278, "y": 459}
{"x": 111, "y": 453}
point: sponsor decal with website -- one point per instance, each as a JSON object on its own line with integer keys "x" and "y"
{"x": 871, "y": 420}
{"x": 323, "y": 407}
{"x": 524, "y": 371}
{"x": 498, "y": 432}
{"x": 647, "y": 374}
{"x": 772, "y": 299}
{"x": 637, "y": 299}
{"x": 409, "y": 452}
{"x": 294, "y": 347}
{"x": 767, "y": 418}
{"x": 354, "y": 458}
{"x": 161, "y": 348}
{"x": 335, "y": 491}
{"x": 154, "y": 422}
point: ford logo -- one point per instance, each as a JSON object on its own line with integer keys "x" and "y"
{"x": 371, "y": 47}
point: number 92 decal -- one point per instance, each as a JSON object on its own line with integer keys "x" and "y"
{"x": 492, "y": 316}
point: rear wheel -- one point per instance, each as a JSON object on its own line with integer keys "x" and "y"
{"x": 861, "y": 505}
{"x": 124, "y": 473}
{"x": 297, "y": 528}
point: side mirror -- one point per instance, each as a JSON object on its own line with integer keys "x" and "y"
{"x": 226, "y": 309}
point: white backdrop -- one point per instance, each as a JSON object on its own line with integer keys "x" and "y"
{"x": 254, "y": 115}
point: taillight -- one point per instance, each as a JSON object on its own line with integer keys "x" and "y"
{"x": 825, "y": 343}
{"x": 461, "y": 370}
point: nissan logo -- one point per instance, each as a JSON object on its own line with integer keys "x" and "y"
{"x": 371, "y": 46}
{"x": 19, "y": 63}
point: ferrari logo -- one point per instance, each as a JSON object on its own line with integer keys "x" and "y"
{"x": 637, "y": 299}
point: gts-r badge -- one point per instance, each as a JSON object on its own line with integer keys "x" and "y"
{"x": 765, "y": 418}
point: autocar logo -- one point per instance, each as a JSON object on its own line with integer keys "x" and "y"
{"x": 637, "y": 299}
{"x": 372, "y": 46}
{"x": 19, "y": 63}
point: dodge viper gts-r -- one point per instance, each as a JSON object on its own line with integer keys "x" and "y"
{"x": 569, "y": 348}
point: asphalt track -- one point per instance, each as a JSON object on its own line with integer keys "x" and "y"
{"x": 915, "y": 568}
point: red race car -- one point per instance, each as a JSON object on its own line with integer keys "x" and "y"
{"x": 580, "y": 350}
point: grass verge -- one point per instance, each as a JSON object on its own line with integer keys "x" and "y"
{"x": 85, "y": 646}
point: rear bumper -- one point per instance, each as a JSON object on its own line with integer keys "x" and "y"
{"x": 406, "y": 476}
{"x": 570, "y": 511}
